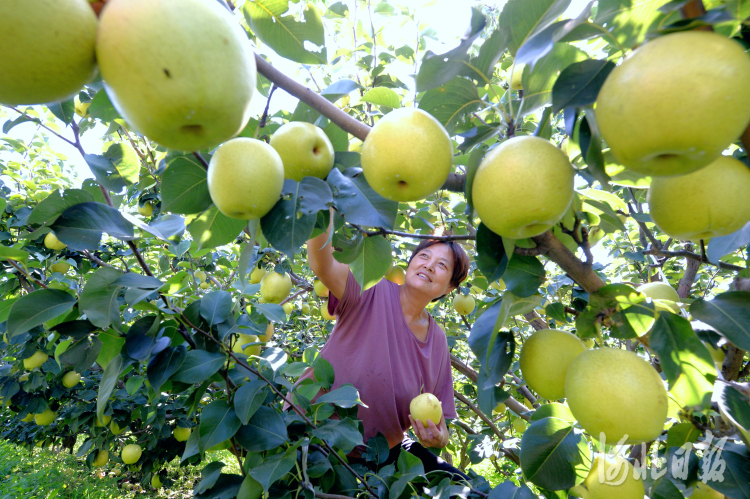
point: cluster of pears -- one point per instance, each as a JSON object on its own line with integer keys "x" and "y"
{"x": 609, "y": 391}
{"x": 669, "y": 111}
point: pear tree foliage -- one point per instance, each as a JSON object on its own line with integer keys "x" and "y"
{"x": 158, "y": 289}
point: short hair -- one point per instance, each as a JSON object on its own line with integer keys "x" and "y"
{"x": 460, "y": 259}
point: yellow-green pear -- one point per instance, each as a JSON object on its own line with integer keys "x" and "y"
{"x": 181, "y": 72}
{"x": 617, "y": 393}
{"x": 71, "y": 379}
{"x": 545, "y": 358}
{"x": 266, "y": 337}
{"x": 612, "y": 478}
{"x": 426, "y": 407}
{"x": 28, "y": 418}
{"x": 46, "y": 49}
{"x": 305, "y": 150}
{"x": 274, "y": 287}
{"x": 257, "y": 274}
{"x": 407, "y": 155}
{"x": 131, "y": 453}
{"x": 181, "y": 434}
{"x": 659, "y": 291}
{"x": 324, "y": 313}
{"x": 45, "y": 418}
{"x": 288, "y": 308}
{"x": 500, "y": 408}
{"x": 244, "y": 339}
{"x": 104, "y": 421}
{"x": 718, "y": 201}
{"x": 245, "y": 178}
{"x": 102, "y": 457}
{"x": 498, "y": 285}
{"x": 52, "y": 242}
{"x": 676, "y": 103}
{"x": 517, "y": 212}
{"x": 200, "y": 275}
{"x": 147, "y": 209}
{"x": 396, "y": 274}
{"x": 115, "y": 428}
{"x": 305, "y": 309}
{"x": 463, "y": 304}
{"x": 519, "y": 425}
{"x": 36, "y": 360}
{"x": 516, "y": 76}
{"x": 23, "y": 378}
{"x": 155, "y": 481}
{"x": 204, "y": 285}
{"x": 320, "y": 289}
{"x": 61, "y": 267}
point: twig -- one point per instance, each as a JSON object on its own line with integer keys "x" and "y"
{"x": 383, "y": 232}
{"x": 694, "y": 256}
{"x": 264, "y": 118}
{"x": 511, "y": 455}
{"x": 201, "y": 159}
{"x": 98, "y": 260}
{"x": 25, "y": 274}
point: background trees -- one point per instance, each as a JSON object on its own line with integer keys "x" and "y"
{"x": 153, "y": 338}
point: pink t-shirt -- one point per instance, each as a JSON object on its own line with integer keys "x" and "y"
{"x": 374, "y": 349}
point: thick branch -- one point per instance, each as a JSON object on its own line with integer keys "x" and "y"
{"x": 312, "y": 99}
{"x": 577, "y": 270}
{"x": 732, "y": 363}
{"x": 535, "y": 320}
{"x": 691, "y": 270}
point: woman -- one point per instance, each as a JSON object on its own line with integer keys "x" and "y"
{"x": 387, "y": 345}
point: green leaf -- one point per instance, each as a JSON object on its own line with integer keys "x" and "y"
{"x": 525, "y": 18}
{"x": 685, "y": 360}
{"x": 734, "y": 405}
{"x": 373, "y": 261}
{"x": 274, "y": 467}
{"x": 554, "y": 455}
{"x": 437, "y": 69}
{"x": 81, "y": 226}
{"x": 216, "y": 307}
{"x": 199, "y": 365}
{"x": 493, "y": 349}
{"x": 218, "y": 423}
{"x": 286, "y": 36}
{"x": 248, "y": 398}
{"x": 117, "y": 168}
{"x": 524, "y": 275}
{"x": 681, "y": 433}
{"x": 212, "y": 228}
{"x": 250, "y": 489}
{"x": 99, "y": 299}
{"x": 51, "y": 207}
{"x": 111, "y": 347}
{"x": 578, "y": 85}
{"x": 290, "y": 222}
{"x": 64, "y": 110}
{"x": 452, "y": 104}
{"x": 36, "y": 308}
{"x": 539, "y": 82}
{"x": 358, "y": 203}
{"x": 5, "y": 308}
{"x": 475, "y": 159}
{"x": 490, "y": 52}
{"x": 17, "y": 255}
{"x": 82, "y": 354}
{"x": 729, "y": 313}
{"x": 629, "y": 22}
{"x": 184, "y": 187}
{"x": 101, "y": 108}
{"x": 107, "y": 384}
{"x": 345, "y": 396}
{"x": 665, "y": 489}
{"x": 491, "y": 258}
{"x": 165, "y": 364}
{"x": 342, "y": 434}
{"x": 209, "y": 475}
{"x": 266, "y": 430}
{"x": 382, "y": 96}
{"x": 724, "y": 245}
{"x": 732, "y": 479}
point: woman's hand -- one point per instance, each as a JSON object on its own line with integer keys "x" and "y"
{"x": 435, "y": 436}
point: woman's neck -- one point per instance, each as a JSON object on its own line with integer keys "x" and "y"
{"x": 413, "y": 305}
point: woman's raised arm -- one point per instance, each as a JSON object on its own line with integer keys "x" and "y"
{"x": 332, "y": 273}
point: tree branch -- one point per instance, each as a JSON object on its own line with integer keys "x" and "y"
{"x": 383, "y": 232}
{"x": 693, "y": 256}
{"x": 512, "y": 456}
{"x": 577, "y": 270}
{"x": 688, "y": 278}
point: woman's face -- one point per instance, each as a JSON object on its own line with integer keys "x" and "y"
{"x": 430, "y": 270}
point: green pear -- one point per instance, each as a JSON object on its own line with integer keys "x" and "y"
{"x": 612, "y": 478}
{"x": 181, "y": 72}
{"x": 545, "y": 358}
{"x": 508, "y": 208}
{"x": 407, "y": 155}
{"x": 245, "y": 178}
{"x": 676, "y": 103}
{"x": 464, "y": 305}
{"x": 305, "y": 150}
{"x": 47, "y": 49}
{"x": 274, "y": 287}
{"x": 426, "y": 407}
{"x": 719, "y": 201}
